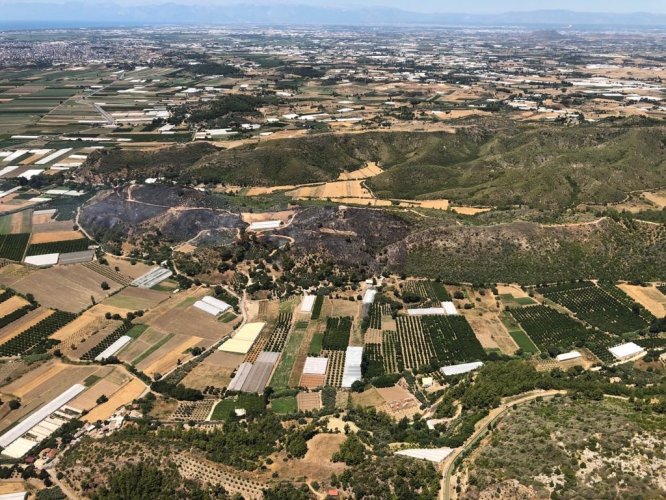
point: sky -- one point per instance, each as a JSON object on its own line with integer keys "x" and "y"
{"x": 468, "y": 6}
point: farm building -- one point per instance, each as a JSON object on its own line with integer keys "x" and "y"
{"x": 308, "y": 303}
{"x": 211, "y": 305}
{"x": 314, "y": 372}
{"x": 461, "y": 368}
{"x": 239, "y": 378}
{"x": 352, "y": 369}
{"x": 244, "y": 338}
{"x": 114, "y": 348}
{"x": 21, "y": 495}
{"x": 449, "y": 308}
{"x": 260, "y": 373}
{"x": 369, "y": 296}
{"x": 625, "y": 352}
{"x": 568, "y": 356}
{"x": 427, "y": 311}
{"x": 40, "y": 424}
{"x": 76, "y": 257}
{"x": 264, "y": 225}
{"x": 152, "y": 277}
{"x": 436, "y": 455}
{"x": 49, "y": 259}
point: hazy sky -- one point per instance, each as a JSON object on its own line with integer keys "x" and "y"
{"x": 471, "y": 6}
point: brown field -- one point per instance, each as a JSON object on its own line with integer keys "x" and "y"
{"x": 369, "y": 170}
{"x": 308, "y": 401}
{"x": 11, "y": 273}
{"x": 316, "y": 465}
{"x": 41, "y": 385}
{"x": 39, "y": 219}
{"x": 470, "y": 210}
{"x": 128, "y": 393}
{"x": 333, "y": 190}
{"x": 125, "y": 267}
{"x": 436, "y": 204}
{"x": 68, "y": 288}
{"x": 87, "y": 400}
{"x": 140, "y": 345}
{"x": 191, "y": 321}
{"x": 514, "y": 290}
{"x": 311, "y": 381}
{"x": 134, "y": 299}
{"x": 215, "y": 370}
{"x": 282, "y": 215}
{"x": 371, "y": 397}
{"x": 166, "y": 357}
{"x": 51, "y": 236}
{"x": 258, "y": 191}
{"x": 649, "y": 297}
{"x": 48, "y": 225}
{"x": 8, "y": 486}
{"x": 12, "y": 304}
{"x": 20, "y": 325}
{"x": 658, "y": 198}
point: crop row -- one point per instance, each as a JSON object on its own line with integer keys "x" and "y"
{"x": 6, "y": 295}
{"x": 336, "y": 336}
{"x": 68, "y": 246}
{"x": 374, "y": 360}
{"x": 316, "y": 307}
{"x": 16, "y": 314}
{"x": 37, "y": 335}
{"x": 426, "y": 290}
{"x": 12, "y": 246}
{"x": 110, "y": 339}
{"x": 392, "y": 352}
{"x": 279, "y": 334}
{"x": 417, "y": 348}
{"x": 453, "y": 339}
{"x": 598, "y": 308}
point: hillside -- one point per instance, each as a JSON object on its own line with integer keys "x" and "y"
{"x": 550, "y": 167}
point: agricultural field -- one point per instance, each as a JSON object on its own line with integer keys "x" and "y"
{"x": 424, "y": 292}
{"x": 215, "y": 370}
{"x": 555, "y": 332}
{"x": 278, "y": 336}
{"x": 75, "y": 245}
{"x": 336, "y": 336}
{"x": 69, "y": 288}
{"x": 35, "y": 339}
{"x": 596, "y": 307}
{"x": 282, "y": 374}
{"x": 12, "y": 246}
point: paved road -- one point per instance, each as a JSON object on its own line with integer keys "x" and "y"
{"x": 496, "y": 413}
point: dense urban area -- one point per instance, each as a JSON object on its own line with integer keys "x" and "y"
{"x": 313, "y": 263}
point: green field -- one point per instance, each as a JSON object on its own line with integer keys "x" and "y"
{"x": 285, "y": 405}
{"x": 518, "y": 335}
{"x": 223, "y": 410}
{"x": 282, "y": 373}
{"x": 136, "y": 331}
{"x": 316, "y": 344}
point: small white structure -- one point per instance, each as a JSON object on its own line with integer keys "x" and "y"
{"x": 49, "y": 259}
{"x": 461, "y": 368}
{"x": 427, "y": 382}
{"x": 114, "y": 348}
{"x": 21, "y": 495}
{"x": 436, "y": 455}
{"x": 352, "y": 369}
{"x": 625, "y": 352}
{"x": 449, "y": 308}
{"x": 239, "y": 378}
{"x": 369, "y": 296}
{"x": 152, "y": 277}
{"x": 427, "y": 311}
{"x": 315, "y": 366}
{"x": 212, "y": 306}
{"x": 308, "y": 303}
{"x": 264, "y": 225}
{"x": 568, "y": 356}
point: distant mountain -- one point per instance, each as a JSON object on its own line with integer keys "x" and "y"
{"x": 34, "y": 14}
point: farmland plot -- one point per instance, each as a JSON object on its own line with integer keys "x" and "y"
{"x": 428, "y": 291}
{"x": 35, "y": 338}
{"x": 553, "y": 331}
{"x": 336, "y": 336}
{"x": 416, "y": 346}
{"x": 278, "y": 336}
{"x": 453, "y": 339}
{"x": 596, "y": 307}
{"x": 12, "y": 246}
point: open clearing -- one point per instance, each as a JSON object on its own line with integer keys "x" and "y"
{"x": 369, "y": 170}
{"x": 126, "y": 394}
{"x": 134, "y": 299}
{"x": 50, "y": 237}
{"x": 166, "y": 357}
{"x": 12, "y": 304}
{"x": 215, "y": 370}
{"x": 647, "y": 296}
{"x": 658, "y": 198}
{"x": 333, "y": 190}
{"x": 68, "y": 288}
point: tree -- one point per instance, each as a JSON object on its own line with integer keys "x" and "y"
{"x": 352, "y": 451}
{"x": 14, "y": 404}
{"x": 105, "y": 285}
{"x": 102, "y": 399}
